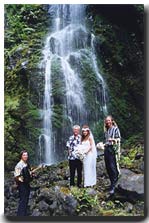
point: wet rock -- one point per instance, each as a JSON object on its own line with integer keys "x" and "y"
{"x": 131, "y": 183}
{"x": 43, "y": 206}
{"x": 67, "y": 202}
{"x": 6, "y": 202}
{"x": 47, "y": 194}
{"x": 36, "y": 212}
{"x": 54, "y": 198}
{"x": 128, "y": 207}
{"x": 53, "y": 206}
{"x": 101, "y": 168}
{"x": 141, "y": 166}
{"x": 91, "y": 191}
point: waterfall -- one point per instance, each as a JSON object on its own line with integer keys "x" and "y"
{"x": 99, "y": 76}
{"x": 68, "y": 46}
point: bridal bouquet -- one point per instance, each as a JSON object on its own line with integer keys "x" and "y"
{"x": 80, "y": 152}
{"x": 100, "y": 146}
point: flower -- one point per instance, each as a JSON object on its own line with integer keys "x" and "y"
{"x": 100, "y": 146}
{"x": 80, "y": 152}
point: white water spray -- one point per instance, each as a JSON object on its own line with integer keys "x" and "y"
{"x": 68, "y": 39}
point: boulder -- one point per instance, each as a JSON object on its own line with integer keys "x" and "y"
{"x": 43, "y": 206}
{"x": 101, "y": 169}
{"x": 36, "y": 212}
{"x": 131, "y": 183}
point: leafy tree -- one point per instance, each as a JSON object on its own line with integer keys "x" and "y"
{"x": 25, "y": 29}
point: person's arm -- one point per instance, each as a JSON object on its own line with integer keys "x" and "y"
{"x": 69, "y": 147}
{"x": 17, "y": 174}
{"x": 69, "y": 152}
{"x": 90, "y": 148}
{"x": 33, "y": 170}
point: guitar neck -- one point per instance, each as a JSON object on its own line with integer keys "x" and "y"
{"x": 34, "y": 170}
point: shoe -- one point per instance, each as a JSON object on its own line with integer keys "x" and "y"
{"x": 112, "y": 191}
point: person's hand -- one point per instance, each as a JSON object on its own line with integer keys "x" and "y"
{"x": 32, "y": 174}
{"x": 112, "y": 140}
{"x": 19, "y": 178}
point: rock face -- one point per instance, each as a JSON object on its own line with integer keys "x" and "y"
{"x": 131, "y": 183}
{"x": 55, "y": 201}
{"x": 51, "y": 196}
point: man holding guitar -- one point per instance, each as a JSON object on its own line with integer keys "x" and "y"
{"x": 23, "y": 176}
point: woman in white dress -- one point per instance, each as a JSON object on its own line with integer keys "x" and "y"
{"x": 89, "y": 161}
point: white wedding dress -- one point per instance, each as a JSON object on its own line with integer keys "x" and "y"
{"x": 89, "y": 164}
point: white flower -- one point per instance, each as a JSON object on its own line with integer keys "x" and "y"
{"x": 80, "y": 152}
{"x": 100, "y": 146}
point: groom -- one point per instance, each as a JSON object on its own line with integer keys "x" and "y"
{"x": 74, "y": 163}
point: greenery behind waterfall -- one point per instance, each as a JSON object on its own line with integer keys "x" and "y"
{"x": 119, "y": 46}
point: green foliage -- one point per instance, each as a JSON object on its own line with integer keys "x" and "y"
{"x": 119, "y": 49}
{"x": 58, "y": 85}
{"x": 98, "y": 130}
{"x": 84, "y": 199}
{"x": 133, "y": 146}
{"x": 57, "y": 117}
{"x": 25, "y": 30}
{"x": 135, "y": 141}
{"x": 114, "y": 208}
{"x": 20, "y": 129}
{"x": 126, "y": 162}
{"x": 92, "y": 88}
{"x": 11, "y": 158}
{"x": 139, "y": 8}
{"x": 87, "y": 201}
{"x": 58, "y": 92}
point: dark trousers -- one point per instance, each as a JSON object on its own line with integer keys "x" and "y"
{"x": 111, "y": 165}
{"x": 24, "y": 191}
{"x": 75, "y": 165}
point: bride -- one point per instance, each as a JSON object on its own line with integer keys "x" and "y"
{"x": 88, "y": 148}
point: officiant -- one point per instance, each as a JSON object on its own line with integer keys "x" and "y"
{"x": 75, "y": 164}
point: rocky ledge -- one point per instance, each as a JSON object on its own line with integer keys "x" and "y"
{"x": 52, "y": 196}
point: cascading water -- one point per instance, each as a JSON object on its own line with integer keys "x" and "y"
{"x": 94, "y": 61}
{"x": 67, "y": 47}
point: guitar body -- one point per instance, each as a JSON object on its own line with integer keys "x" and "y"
{"x": 25, "y": 173}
